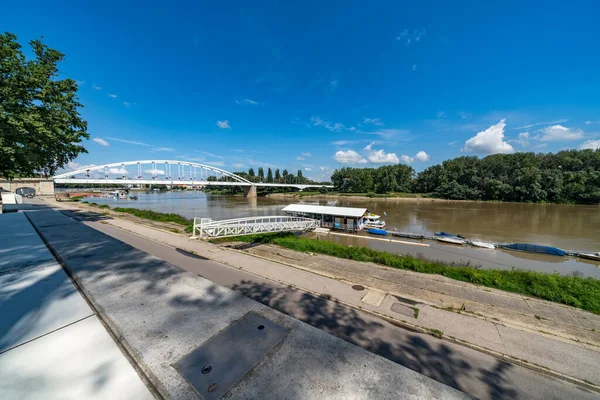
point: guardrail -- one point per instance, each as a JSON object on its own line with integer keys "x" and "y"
{"x": 207, "y": 228}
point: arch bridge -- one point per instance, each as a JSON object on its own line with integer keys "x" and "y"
{"x": 166, "y": 172}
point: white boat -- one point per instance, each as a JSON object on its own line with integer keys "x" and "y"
{"x": 373, "y": 221}
{"x": 450, "y": 239}
{"x": 485, "y": 245}
{"x": 590, "y": 256}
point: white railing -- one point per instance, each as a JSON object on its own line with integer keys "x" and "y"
{"x": 206, "y": 228}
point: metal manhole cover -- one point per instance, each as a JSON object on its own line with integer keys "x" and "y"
{"x": 358, "y": 287}
{"x": 223, "y": 360}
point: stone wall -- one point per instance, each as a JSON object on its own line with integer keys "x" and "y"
{"x": 42, "y": 186}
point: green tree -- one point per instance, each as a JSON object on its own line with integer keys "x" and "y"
{"x": 40, "y": 125}
{"x": 269, "y": 176}
{"x": 261, "y": 174}
{"x": 277, "y": 175}
{"x": 251, "y": 172}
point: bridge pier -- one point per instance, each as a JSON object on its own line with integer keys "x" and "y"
{"x": 250, "y": 191}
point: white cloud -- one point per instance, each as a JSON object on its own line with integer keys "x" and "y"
{"x": 306, "y": 154}
{"x": 238, "y": 150}
{"x": 75, "y": 165}
{"x": 524, "y": 139}
{"x": 558, "y": 133}
{"x": 247, "y": 101}
{"x": 120, "y": 171}
{"x": 380, "y": 156}
{"x": 323, "y": 169}
{"x": 96, "y": 86}
{"x": 408, "y": 37}
{"x": 129, "y": 141}
{"x": 299, "y": 158}
{"x": 307, "y": 169}
{"x": 464, "y": 115}
{"x": 127, "y": 104}
{"x": 155, "y": 171}
{"x": 112, "y": 96}
{"x": 454, "y": 143}
{"x": 559, "y": 121}
{"x": 163, "y": 149}
{"x": 238, "y": 165}
{"x": 389, "y": 133}
{"x": 588, "y": 122}
{"x": 333, "y": 84}
{"x": 344, "y": 142}
{"x": 101, "y": 142}
{"x": 422, "y": 156}
{"x": 373, "y": 121}
{"x": 80, "y": 83}
{"x": 590, "y": 144}
{"x": 441, "y": 114}
{"x": 349, "y": 157}
{"x": 334, "y": 127}
{"x": 489, "y": 141}
{"x": 223, "y": 124}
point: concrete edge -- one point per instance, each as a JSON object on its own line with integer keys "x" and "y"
{"x": 406, "y": 325}
{"x": 150, "y": 381}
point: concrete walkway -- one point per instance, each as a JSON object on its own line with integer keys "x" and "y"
{"x": 161, "y": 314}
{"x": 509, "y": 328}
{"x": 52, "y": 345}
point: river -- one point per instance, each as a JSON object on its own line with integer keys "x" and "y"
{"x": 570, "y": 227}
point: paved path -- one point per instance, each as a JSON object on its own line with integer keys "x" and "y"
{"x": 476, "y": 373}
{"x": 52, "y": 345}
{"x": 161, "y": 314}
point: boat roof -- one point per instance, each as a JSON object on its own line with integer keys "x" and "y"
{"x": 327, "y": 210}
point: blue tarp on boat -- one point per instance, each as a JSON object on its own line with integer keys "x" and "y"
{"x": 536, "y": 248}
{"x": 376, "y": 231}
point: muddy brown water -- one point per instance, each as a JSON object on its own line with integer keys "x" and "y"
{"x": 569, "y": 227}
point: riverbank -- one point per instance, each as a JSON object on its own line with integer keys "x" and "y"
{"x": 583, "y": 293}
{"x": 549, "y": 337}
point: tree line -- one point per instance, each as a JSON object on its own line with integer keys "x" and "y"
{"x": 569, "y": 176}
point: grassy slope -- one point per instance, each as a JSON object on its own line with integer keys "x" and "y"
{"x": 575, "y": 291}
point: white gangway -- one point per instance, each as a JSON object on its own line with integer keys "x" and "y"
{"x": 206, "y": 228}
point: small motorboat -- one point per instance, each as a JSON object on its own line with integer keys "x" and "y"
{"x": 133, "y": 197}
{"x": 377, "y": 231}
{"x": 590, "y": 256}
{"x": 446, "y": 234}
{"x": 409, "y": 235}
{"x": 373, "y": 221}
{"x": 485, "y": 245}
{"x": 451, "y": 240}
{"x": 535, "y": 248}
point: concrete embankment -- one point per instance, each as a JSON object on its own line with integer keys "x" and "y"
{"x": 161, "y": 314}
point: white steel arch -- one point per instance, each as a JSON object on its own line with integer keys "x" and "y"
{"x": 192, "y": 170}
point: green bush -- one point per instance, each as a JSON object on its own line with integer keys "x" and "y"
{"x": 156, "y": 216}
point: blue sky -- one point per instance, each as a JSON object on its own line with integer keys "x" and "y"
{"x": 320, "y": 85}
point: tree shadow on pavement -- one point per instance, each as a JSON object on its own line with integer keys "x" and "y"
{"x": 419, "y": 352}
{"x": 85, "y": 216}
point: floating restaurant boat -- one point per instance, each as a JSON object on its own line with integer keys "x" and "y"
{"x": 349, "y": 219}
{"x": 377, "y": 231}
{"x": 590, "y": 256}
{"x": 535, "y": 248}
{"x": 451, "y": 240}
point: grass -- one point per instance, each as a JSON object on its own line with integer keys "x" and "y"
{"x": 574, "y": 291}
{"x": 151, "y": 215}
{"x": 437, "y": 333}
{"x": 415, "y": 312}
{"x": 76, "y": 198}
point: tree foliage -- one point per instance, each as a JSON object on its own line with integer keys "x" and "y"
{"x": 569, "y": 176}
{"x": 40, "y": 125}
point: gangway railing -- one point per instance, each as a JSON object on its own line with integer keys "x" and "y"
{"x": 206, "y": 228}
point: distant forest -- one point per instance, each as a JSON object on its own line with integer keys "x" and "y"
{"x": 570, "y": 176}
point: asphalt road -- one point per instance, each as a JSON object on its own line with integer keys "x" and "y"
{"x": 472, "y": 372}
